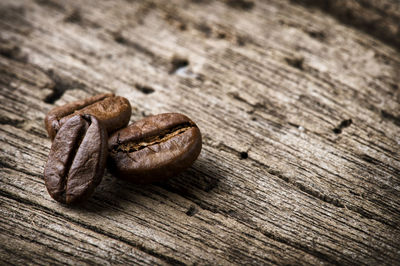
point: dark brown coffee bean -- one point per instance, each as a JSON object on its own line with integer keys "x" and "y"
{"x": 113, "y": 111}
{"x": 154, "y": 148}
{"x": 77, "y": 159}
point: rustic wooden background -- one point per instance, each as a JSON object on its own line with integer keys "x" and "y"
{"x": 298, "y": 103}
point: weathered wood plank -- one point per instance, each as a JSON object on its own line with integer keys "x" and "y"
{"x": 299, "y": 114}
{"x": 54, "y": 239}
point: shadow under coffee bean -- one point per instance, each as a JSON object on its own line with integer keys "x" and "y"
{"x": 77, "y": 159}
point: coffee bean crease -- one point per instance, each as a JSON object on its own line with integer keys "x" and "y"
{"x": 77, "y": 159}
{"x": 162, "y": 137}
{"x": 155, "y": 148}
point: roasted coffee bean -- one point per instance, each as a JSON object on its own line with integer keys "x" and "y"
{"x": 77, "y": 159}
{"x": 154, "y": 148}
{"x": 113, "y": 111}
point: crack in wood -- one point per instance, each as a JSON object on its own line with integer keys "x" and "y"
{"x": 320, "y": 255}
{"x": 391, "y": 117}
{"x": 191, "y": 211}
{"x": 53, "y": 4}
{"x": 311, "y": 192}
{"x": 15, "y": 122}
{"x": 342, "y": 125}
{"x": 15, "y": 15}
{"x": 60, "y": 86}
{"x": 358, "y": 15}
{"x": 296, "y": 62}
{"x": 252, "y": 225}
{"x": 95, "y": 229}
{"x": 121, "y": 39}
{"x": 240, "y": 4}
{"x": 74, "y": 17}
{"x": 12, "y": 51}
{"x": 6, "y": 165}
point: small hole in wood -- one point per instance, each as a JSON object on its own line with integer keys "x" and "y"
{"x": 204, "y": 28}
{"x": 144, "y": 89}
{"x": 295, "y": 62}
{"x": 241, "y": 41}
{"x": 337, "y": 130}
{"x": 395, "y": 119}
{"x": 345, "y": 123}
{"x": 191, "y": 211}
{"x": 182, "y": 27}
{"x": 177, "y": 64}
{"x": 319, "y": 35}
{"x": 221, "y": 35}
{"x": 74, "y": 17}
{"x": 119, "y": 38}
{"x": 244, "y": 155}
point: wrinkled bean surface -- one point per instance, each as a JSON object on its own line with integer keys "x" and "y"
{"x": 113, "y": 111}
{"x": 154, "y": 148}
{"x": 77, "y": 159}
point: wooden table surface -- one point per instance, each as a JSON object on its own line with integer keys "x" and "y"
{"x": 298, "y": 103}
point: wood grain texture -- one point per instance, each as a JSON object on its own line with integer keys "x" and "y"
{"x": 298, "y": 103}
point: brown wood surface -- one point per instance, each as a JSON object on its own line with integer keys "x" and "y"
{"x": 298, "y": 103}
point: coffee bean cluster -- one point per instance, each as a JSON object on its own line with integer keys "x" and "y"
{"x": 93, "y": 133}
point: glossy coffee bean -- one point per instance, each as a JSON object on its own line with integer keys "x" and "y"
{"x": 154, "y": 148}
{"x": 77, "y": 159}
{"x": 113, "y": 111}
